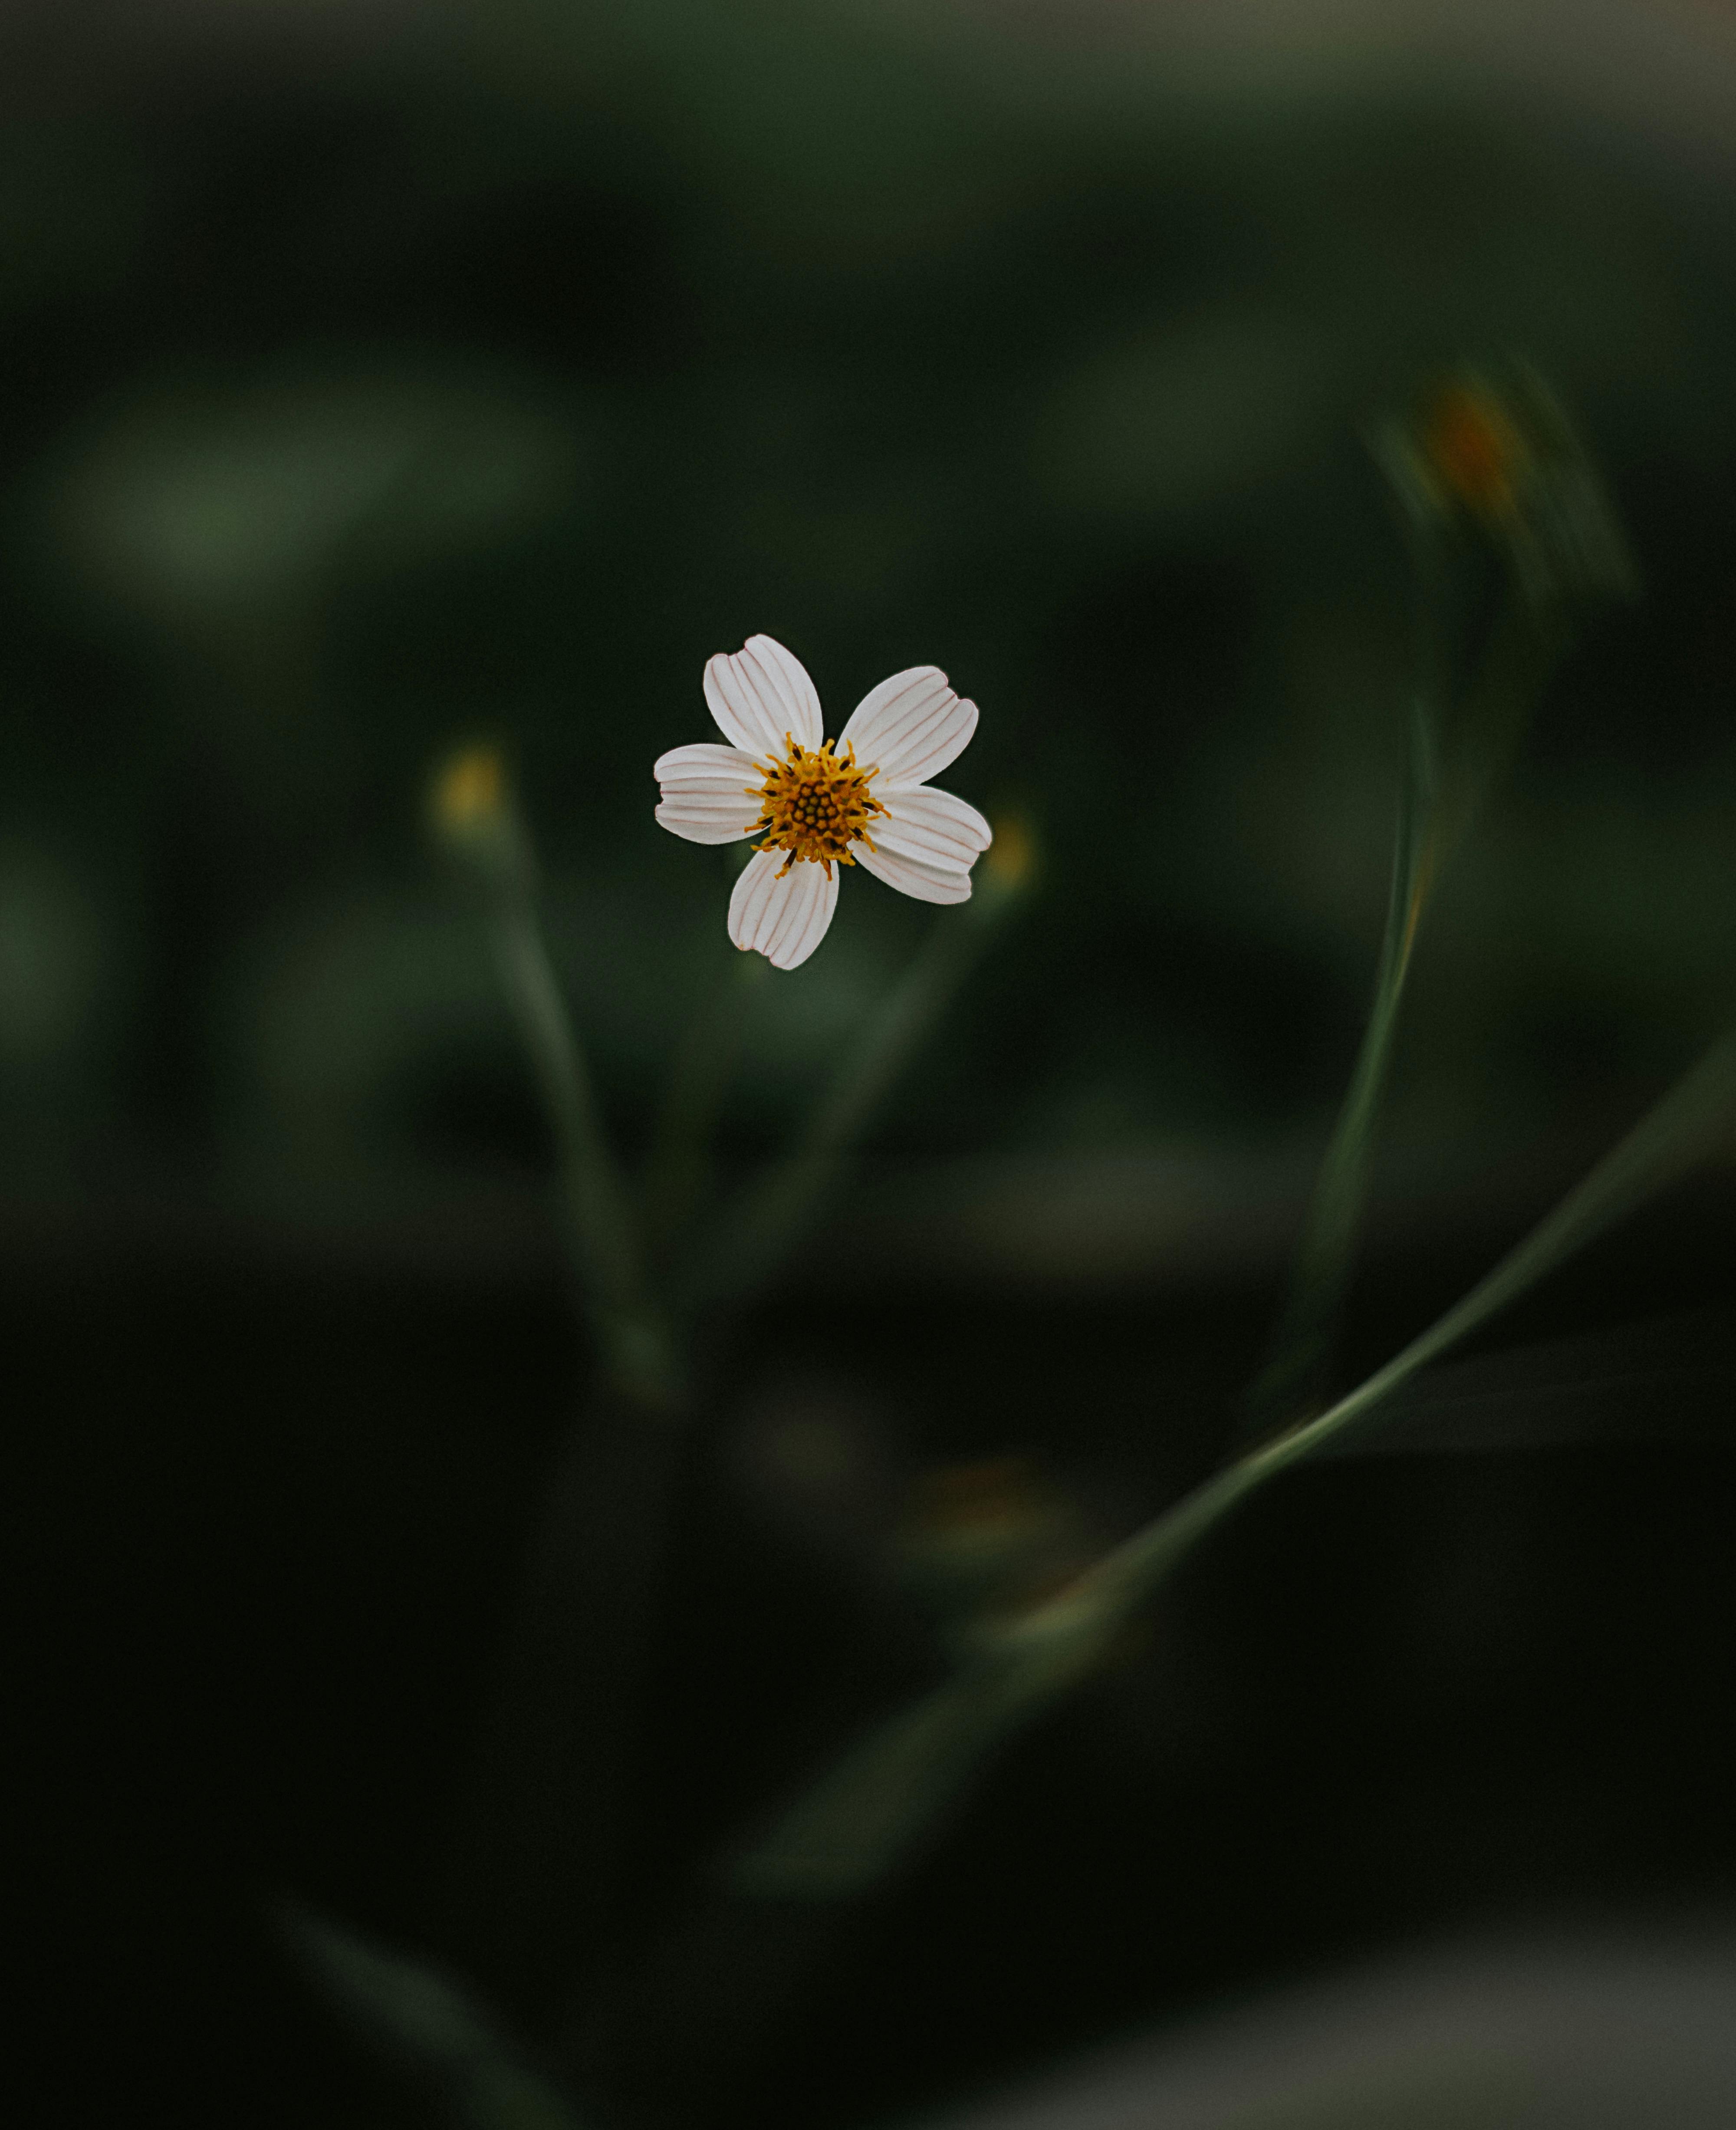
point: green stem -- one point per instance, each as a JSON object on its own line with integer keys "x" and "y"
{"x": 1302, "y": 1343}
{"x": 1435, "y": 810}
{"x": 1661, "y": 1146}
{"x": 863, "y": 1816}
{"x": 677, "y": 1172}
{"x": 778, "y": 1210}
{"x": 599, "y": 1220}
{"x": 1527, "y": 645}
{"x": 533, "y": 1866}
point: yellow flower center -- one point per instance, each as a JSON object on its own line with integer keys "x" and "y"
{"x": 815, "y": 804}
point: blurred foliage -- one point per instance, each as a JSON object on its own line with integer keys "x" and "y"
{"x": 379, "y": 379}
{"x": 476, "y": 2076}
{"x": 412, "y": 376}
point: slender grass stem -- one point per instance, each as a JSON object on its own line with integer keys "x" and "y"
{"x": 677, "y": 1172}
{"x": 537, "y": 1850}
{"x": 531, "y": 1887}
{"x": 599, "y": 1219}
{"x": 1301, "y": 1343}
{"x": 1438, "y": 798}
{"x": 886, "y": 1793}
{"x": 759, "y": 1235}
{"x": 1661, "y": 1147}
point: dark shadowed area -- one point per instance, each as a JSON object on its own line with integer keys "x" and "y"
{"x": 379, "y": 380}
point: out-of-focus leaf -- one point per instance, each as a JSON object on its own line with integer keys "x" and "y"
{"x": 52, "y": 956}
{"x": 1195, "y": 411}
{"x": 1670, "y": 1379}
{"x": 202, "y": 502}
{"x": 431, "y": 2027}
{"x": 1601, "y": 2031}
{"x": 864, "y": 1815}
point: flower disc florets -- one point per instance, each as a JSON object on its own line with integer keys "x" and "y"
{"x": 815, "y": 804}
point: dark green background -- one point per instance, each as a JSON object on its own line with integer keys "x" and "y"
{"x": 379, "y": 378}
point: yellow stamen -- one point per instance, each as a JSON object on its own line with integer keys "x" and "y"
{"x": 815, "y": 804}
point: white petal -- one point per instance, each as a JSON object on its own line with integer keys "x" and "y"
{"x": 760, "y": 693}
{"x": 931, "y": 826}
{"x": 911, "y": 726}
{"x": 703, "y": 763}
{"x": 698, "y": 824}
{"x": 710, "y": 793}
{"x": 928, "y": 883}
{"x": 783, "y": 919}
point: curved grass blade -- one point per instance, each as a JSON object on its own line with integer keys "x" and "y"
{"x": 863, "y": 1817}
{"x": 678, "y": 1169}
{"x": 758, "y": 1234}
{"x": 1668, "y": 1379}
{"x": 1301, "y": 1344}
{"x": 435, "y": 2030}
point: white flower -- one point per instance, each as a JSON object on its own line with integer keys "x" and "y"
{"x": 817, "y": 804}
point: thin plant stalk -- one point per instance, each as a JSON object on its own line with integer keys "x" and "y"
{"x": 530, "y": 1885}
{"x": 676, "y": 1173}
{"x": 1662, "y": 1148}
{"x": 536, "y": 1857}
{"x": 533, "y": 1879}
{"x": 469, "y": 2071}
{"x": 599, "y": 1219}
{"x": 1302, "y": 1341}
{"x": 770, "y": 1952}
{"x": 1446, "y": 777}
{"x": 776, "y": 1212}
{"x": 886, "y": 1794}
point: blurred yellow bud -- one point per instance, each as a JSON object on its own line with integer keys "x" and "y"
{"x": 1498, "y": 449}
{"x": 468, "y": 796}
{"x": 471, "y": 813}
{"x": 1473, "y": 450}
{"x": 990, "y": 1537}
{"x": 470, "y": 802}
{"x": 1013, "y": 857}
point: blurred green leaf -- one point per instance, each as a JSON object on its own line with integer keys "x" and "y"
{"x": 431, "y": 2027}
{"x": 203, "y": 501}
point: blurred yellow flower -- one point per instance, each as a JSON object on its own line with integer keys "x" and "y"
{"x": 1498, "y": 449}
{"x": 1015, "y": 853}
{"x": 468, "y": 795}
{"x": 1472, "y": 448}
